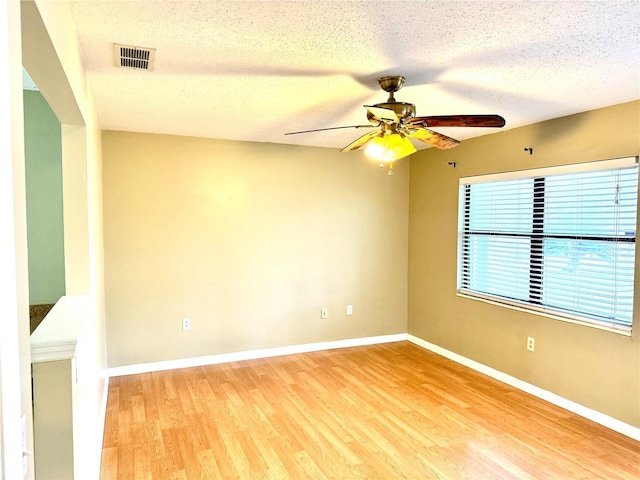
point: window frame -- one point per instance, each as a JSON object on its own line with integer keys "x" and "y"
{"x": 537, "y": 236}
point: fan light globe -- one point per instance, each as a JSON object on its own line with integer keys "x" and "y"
{"x": 388, "y": 148}
{"x": 377, "y": 148}
{"x": 399, "y": 146}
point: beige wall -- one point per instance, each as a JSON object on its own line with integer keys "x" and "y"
{"x": 597, "y": 369}
{"x": 250, "y": 241}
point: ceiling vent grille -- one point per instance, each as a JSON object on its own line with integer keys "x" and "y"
{"x": 138, "y": 58}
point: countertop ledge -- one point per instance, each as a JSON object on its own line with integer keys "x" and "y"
{"x": 57, "y": 336}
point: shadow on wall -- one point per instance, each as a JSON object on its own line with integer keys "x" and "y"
{"x": 561, "y": 129}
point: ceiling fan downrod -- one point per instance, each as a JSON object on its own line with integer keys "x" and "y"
{"x": 391, "y": 84}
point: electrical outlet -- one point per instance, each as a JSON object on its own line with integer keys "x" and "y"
{"x": 324, "y": 313}
{"x": 349, "y": 309}
{"x": 186, "y": 324}
{"x": 531, "y": 344}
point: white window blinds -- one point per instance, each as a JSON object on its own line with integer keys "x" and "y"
{"x": 558, "y": 240}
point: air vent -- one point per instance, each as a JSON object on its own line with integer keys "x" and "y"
{"x": 138, "y": 58}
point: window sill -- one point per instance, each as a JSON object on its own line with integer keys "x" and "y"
{"x": 620, "y": 330}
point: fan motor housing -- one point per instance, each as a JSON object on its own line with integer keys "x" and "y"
{"x": 403, "y": 110}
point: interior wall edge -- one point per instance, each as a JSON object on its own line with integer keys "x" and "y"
{"x": 251, "y": 355}
{"x": 94, "y": 463}
{"x": 15, "y": 372}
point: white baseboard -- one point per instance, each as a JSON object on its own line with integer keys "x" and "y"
{"x": 598, "y": 417}
{"x": 251, "y": 355}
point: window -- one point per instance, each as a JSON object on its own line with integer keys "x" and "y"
{"x": 557, "y": 240}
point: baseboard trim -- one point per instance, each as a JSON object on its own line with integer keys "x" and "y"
{"x": 593, "y": 415}
{"x": 251, "y": 355}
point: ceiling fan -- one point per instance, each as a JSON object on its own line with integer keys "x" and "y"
{"x": 396, "y": 123}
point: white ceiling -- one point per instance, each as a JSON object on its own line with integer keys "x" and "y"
{"x": 255, "y": 70}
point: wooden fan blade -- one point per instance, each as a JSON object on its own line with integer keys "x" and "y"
{"x": 435, "y": 139}
{"x": 382, "y": 113}
{"x": 331, "y": 128}
{"x": 360, "y": 141}
{"x": 458, "y": 121}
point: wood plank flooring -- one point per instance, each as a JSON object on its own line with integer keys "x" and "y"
{"x": 387, "y": 411}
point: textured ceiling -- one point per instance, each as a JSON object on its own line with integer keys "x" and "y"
{"x": 255, "y": 70}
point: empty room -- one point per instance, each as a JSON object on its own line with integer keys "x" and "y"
{"x": 320, "y": 239}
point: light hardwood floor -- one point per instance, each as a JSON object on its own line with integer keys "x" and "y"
{"x": 385, "y": 411}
